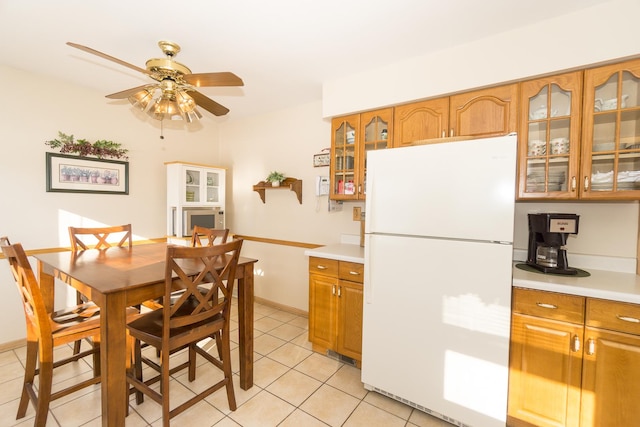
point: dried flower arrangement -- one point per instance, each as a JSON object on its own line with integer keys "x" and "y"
{"x": 82, "y": 147}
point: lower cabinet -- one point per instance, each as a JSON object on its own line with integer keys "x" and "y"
{"x": 335, "y": 306}
{"x": 574, "y": 361}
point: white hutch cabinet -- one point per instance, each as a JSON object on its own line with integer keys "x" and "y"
{"x": 194, "y": 188}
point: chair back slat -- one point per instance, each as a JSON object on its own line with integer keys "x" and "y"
{"x": 80, "y": 236}
{"x": 36, "y": 316}
{"x": 194, "y": 267}
{"x": 211, "y": 236}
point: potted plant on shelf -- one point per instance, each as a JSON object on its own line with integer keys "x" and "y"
{"x": 275, "y": 178}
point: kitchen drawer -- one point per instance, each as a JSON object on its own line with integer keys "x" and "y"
{"x": 550, "y": 305}
{"x": 351, "y": 271}
{"x": 613, "y": 315}
{"x": 324, "y": 266}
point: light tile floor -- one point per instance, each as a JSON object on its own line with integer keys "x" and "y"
{"x": 293, "y": 387}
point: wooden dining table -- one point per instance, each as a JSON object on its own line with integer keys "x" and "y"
{"x": 117, "y": 278}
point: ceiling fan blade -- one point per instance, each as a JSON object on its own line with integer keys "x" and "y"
{"x": 213, "y": 79}
{"x": 208, "y": 104}
{"x": 127, "y": 93}
{"x": 110, "y": 58}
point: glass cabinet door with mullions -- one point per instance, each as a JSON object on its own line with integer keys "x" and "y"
{"x": 611, "y": 151}
{"x": 376, "y": 132}
{"x": 549, "y": 137}
{"x": 344, "y": 152}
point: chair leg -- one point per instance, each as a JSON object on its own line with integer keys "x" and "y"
{"x": 226, "y": 367}
{"x": 97, "y": 367}
{"x": 137, "y": 369}
{"x": 29, "y": 374}
{"x": 219, "y": 344}
{"x": 45, "y": 380}
{"x": 76, "y": 347}
{"x": 192, "y": 362}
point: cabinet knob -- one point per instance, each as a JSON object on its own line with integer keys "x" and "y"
{"x": 576, "y": 344}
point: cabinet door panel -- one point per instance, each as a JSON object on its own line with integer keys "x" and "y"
{"x": 322, "y": 314}
{"x": 350, "y": 320}
{"x": 611, "y": 379}
{"x": 420, "y": 120}
{"x": 611, "y": 132}
{"x": 487, "y": 112}
{"x": 544, "y": 372}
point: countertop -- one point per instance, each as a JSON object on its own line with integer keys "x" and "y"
{"x": 602, "y": 284}
{"x": 339, "y": 251}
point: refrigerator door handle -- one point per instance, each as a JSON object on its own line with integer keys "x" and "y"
{"x": 367, "y": 286}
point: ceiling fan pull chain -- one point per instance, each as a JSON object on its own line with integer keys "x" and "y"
{"x": 161, "y": 129}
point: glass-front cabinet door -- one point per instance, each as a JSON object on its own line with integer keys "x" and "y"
{"x": 549, "y": 137}
{"x": 192, "y": 180}
{"x": 344, "y": 155}
{"x": 202, "y": 186}
{"x": 611, "y": 148}
{"x": 376, "y": 131}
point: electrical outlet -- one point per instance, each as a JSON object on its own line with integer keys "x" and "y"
{"x": 357, "y": 213}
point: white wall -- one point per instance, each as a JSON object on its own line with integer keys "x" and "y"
{"x": 33, "y": 110}
{"x": 599, "y": 33}
{"x": 286, "y": 141}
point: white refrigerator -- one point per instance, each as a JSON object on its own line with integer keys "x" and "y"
{"x": 437, "y": 284}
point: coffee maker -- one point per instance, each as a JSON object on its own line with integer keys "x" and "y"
{"x": 547, "y": 237}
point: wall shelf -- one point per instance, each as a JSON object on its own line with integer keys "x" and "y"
{"x": 292, "y": 184}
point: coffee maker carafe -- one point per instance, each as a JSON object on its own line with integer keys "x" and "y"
{"x": 547, "y": 237}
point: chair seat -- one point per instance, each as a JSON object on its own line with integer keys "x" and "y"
{"x": 79, "y": 319}
{"x": 148, "y": 326}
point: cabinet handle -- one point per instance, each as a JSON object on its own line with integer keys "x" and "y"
{"x": 591, "y": 347}
{"x": 354, "y": 273}
{"x": 321, "y": 267}
{"x": 573, "y": 183}
{"x": 576, "y": 343}
{"x": 586, "y": 183}
{"x": 339, "y": 291}
{"x": 545, "y": 305}
{"x": 444, "y": 133}
{"x": 451, "y": 132}
{"x": 333, "y": 289}
{"x": 628, "y": 319}
{"x": 359, "y": 188}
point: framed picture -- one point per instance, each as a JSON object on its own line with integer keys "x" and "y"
{"x": 321, "y": 160}
{"x": 73, "y": 174}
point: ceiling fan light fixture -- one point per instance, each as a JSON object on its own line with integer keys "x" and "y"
{"x": 192, "y": 116}
{"x": 142, "y": 99}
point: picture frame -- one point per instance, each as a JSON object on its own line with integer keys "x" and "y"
{"x": 74, "y": 174}
{"x": 320, "y": 160}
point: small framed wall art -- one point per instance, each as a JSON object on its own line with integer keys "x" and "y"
{"x": 73, "y": 174}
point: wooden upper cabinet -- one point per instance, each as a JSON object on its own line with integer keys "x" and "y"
{"x": 611, "y": 132}
{"x": 351, "y": 138}
{"x": 484, "y": 113}
{"x": 481, "y": 113}
{"x": 549, "y": 137}
{"x": 420, "y": 120}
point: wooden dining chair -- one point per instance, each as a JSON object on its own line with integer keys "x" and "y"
{"x": 83, "y": 238}
{"x": 45, "y": 331}
{"x": 80, "y": 237}
{"x": 213, "y": 236}
{"x": 189, "y": 320}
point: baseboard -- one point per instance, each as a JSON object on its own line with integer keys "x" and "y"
{"x": 282, "y": 307}
{"x": 12, "y": 345}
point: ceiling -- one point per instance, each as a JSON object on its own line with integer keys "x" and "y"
{"x": 283, "y": 49}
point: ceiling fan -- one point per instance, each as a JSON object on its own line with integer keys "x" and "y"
{"x": 173, "y": 95}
